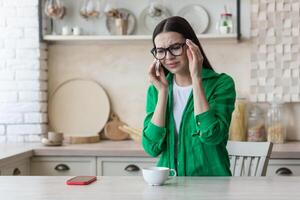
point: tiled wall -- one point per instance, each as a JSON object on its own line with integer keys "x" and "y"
{"x": 23, "y": 73}
{"x": 275, "y": 51}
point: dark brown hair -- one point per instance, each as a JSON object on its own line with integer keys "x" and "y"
{"x": 182, "y": 26}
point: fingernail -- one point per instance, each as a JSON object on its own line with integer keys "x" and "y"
{"x": 187, "y": 40}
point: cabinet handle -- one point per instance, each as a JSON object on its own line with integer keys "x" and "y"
{"x": 283, "y": 171}
{"x": 132, "y": 168}
{"x": 16, "y": 172}
{"x": 62, "y": 167}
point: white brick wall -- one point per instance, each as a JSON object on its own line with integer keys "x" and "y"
{"x": 23, "y": 73}
{"x": 2, "y": 129}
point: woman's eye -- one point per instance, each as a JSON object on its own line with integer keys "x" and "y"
{"x": 175, "y": 47}
{"x": 160, "y": 51}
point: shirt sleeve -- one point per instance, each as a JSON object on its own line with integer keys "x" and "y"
{"x": 153, "y": 138}
{"x": 212, "y": 126}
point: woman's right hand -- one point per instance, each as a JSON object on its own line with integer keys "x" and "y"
{"x": 160, "y": 82}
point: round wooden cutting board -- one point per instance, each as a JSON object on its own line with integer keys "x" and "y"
{"x": 79, "y": 109}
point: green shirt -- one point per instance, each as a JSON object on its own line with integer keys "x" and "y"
{"x": 202, "y": 139}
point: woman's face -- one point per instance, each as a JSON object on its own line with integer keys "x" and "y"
{"x": 176, "y": 61}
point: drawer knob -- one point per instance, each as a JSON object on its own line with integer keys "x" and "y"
{"x": 283, "y": 171}
{"x": 16, "y": 172}
{"x": 62, "y": 167}
{"x": 132, "y": 168}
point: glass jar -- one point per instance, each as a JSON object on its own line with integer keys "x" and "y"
{"x": 238, "y": 125}
{"x": 276, "y": 128}
{"x": 225, "y": 24}
{"x": 256, "y": 125}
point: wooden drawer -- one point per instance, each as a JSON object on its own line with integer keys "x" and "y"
{"x": 120, "y": 166}
{"x": 284, "y": 167}
{"x": 16, "y": 168}
{"x": 63, "y": 166}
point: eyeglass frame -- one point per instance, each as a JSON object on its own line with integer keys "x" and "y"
{"x": 167, "y": 49}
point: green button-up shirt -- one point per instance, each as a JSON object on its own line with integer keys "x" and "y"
{"x": 202, "y": 139}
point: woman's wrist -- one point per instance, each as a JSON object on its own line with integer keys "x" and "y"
{"x": 196, "y": 79}
{"x": 163, "y": 92}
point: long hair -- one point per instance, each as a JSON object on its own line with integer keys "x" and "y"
{"x": 182, "y": 26}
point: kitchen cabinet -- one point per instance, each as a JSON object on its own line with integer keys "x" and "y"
{"x": 15, "y": 168}
{"x": 123, "y": 166}
{"x": 98, "y": 29}
{"x": 62, "y": 166}
{"x": 284, "y": 167}
{"x": 100, "y": 166}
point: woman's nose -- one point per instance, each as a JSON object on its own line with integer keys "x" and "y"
{"x": 169, "y": 55}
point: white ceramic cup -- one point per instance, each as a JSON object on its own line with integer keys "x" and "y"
{"x": 76, "y": 30}
{"x": 55, "y": 137}
{"x": 66, "y": 30}
{"x": 157, "y": 175}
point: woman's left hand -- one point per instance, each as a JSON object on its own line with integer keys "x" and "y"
{"x": 195, "y": 59}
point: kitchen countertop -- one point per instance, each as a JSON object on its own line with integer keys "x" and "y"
{"x": 128, "y": 148}
{"x": 134, "y": 187}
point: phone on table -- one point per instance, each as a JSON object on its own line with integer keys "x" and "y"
{"x": 81, "y": 180}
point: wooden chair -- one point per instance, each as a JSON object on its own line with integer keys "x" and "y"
{"x": 249, "y": 158}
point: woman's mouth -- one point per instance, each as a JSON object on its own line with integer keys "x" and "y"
{"x": 172, "y": 65}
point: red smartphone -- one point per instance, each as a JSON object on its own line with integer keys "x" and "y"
{"x": 81, "y": 180}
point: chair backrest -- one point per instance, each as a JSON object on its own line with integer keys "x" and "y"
{"x": 249, "y": 158}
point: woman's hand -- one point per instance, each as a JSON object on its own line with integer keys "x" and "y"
{"x": 195, "y": 59}
{"x": 160, "y": 82}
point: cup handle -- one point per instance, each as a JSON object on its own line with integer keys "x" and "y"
{"x": 174, "y": 172}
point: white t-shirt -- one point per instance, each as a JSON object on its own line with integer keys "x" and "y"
{"x": 180, "y": 98}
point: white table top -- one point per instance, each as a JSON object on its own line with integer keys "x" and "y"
{"x": 134, "y": 188}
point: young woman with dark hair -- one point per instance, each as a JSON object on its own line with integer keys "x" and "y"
{"x": 189, "y": 105}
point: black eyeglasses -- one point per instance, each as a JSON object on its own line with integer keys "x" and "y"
{"x": 174, "y": 49}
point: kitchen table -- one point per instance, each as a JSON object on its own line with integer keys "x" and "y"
{"x": 134, "y": 188}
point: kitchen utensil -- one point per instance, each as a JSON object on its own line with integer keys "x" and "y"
{"x": 111, "y": 23}
{"x": 80, "y": 109}
{"x": 147, "y": 22}
{"x": 112, "y": 131}
{"x": 134, "y": 133}
{"x": 197, "y": 16}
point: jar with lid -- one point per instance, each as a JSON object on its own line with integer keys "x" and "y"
{"x": 276, "y": 127}
{"x": 225, "y": 24}
{"x": 256, "y": 125}
{"x": 238, "y": 125}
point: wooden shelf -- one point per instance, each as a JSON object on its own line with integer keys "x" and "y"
{"x": 126, "y": 38}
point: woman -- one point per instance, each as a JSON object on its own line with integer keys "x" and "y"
{"x": 189, "y": 109}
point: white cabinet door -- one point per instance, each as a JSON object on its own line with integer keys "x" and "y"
{"x": 123, "y": 166}
{"x": 284, "y": 167}
{"x": 63, "y": 166}
{"x": 16, "y": 168}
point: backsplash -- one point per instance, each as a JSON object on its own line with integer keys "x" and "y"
{"x": 122, "y": 70}
{"x": 275, "y": 68}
